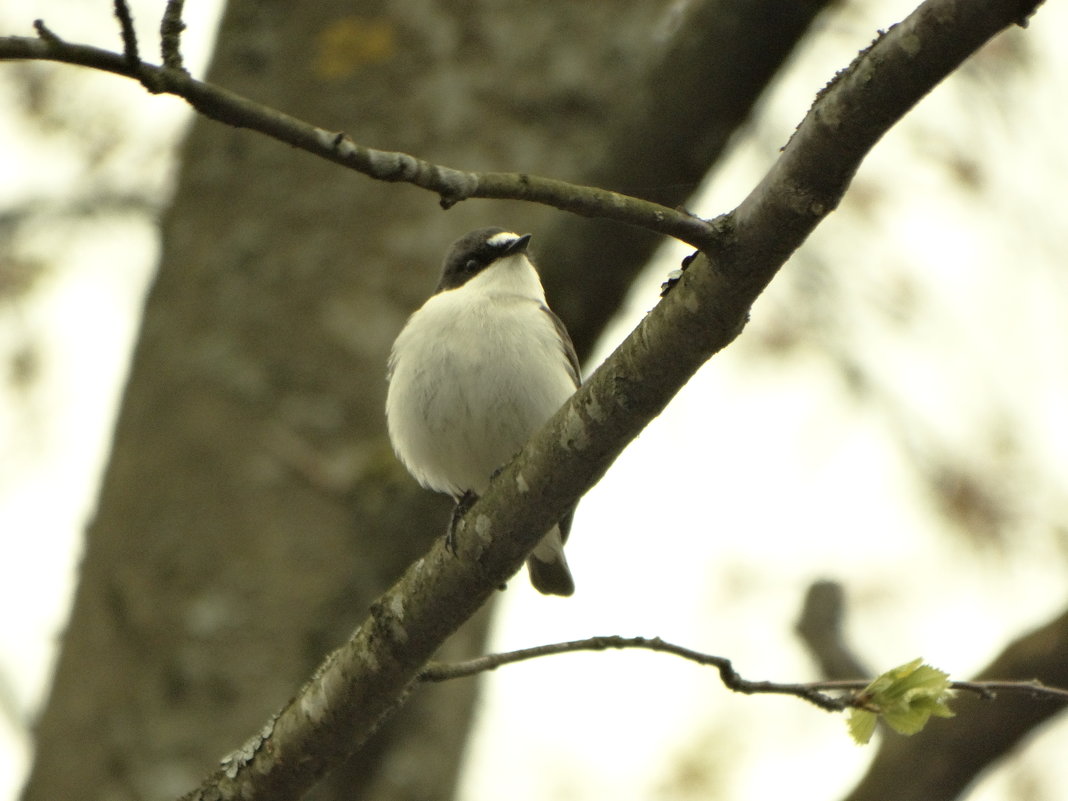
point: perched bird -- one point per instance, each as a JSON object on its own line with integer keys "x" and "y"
{"x": 479, "y": 368}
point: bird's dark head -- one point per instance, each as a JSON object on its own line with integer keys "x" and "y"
{"x": 475, "y": 251}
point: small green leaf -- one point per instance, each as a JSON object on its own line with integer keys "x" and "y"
{"x": 861, "y": 725}
{"x": 905, "y": 697}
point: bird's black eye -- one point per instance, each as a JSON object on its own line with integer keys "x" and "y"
{"x": 471, "y": 265}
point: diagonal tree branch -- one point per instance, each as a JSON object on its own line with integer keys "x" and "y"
{"x": 364, "y": 680}
{"x": 367, "y": 678}
{"x": 704, "y": 79}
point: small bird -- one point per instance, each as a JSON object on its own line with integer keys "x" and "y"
{"x": 478, "y": 369}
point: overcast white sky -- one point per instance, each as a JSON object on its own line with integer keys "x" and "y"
{"x": 763, "y": 475}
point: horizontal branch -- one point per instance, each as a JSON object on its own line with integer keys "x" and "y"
{"x": 814, "y": 692}
{"x": 1032, "y": 688}
{"x": 451, "y": 185}
{"x": 732, "y": 680}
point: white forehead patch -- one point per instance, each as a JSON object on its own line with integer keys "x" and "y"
{"x": 503, "y": 238}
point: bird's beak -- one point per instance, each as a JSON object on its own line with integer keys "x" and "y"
{"x": 519, "y": 246}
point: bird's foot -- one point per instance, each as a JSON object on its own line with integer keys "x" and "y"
{"x": 463, "y": 503}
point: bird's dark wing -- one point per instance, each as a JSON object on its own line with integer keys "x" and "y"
{"x": 567, "y": 345}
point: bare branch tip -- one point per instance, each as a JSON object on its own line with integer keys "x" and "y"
{"x": 129, "y": 36}
{"x": 1024, "y": 20}
{"x": 170, "y": 33}
{"x": 45, "y": 33}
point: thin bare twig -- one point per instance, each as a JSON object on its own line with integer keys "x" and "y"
{"x": 1033, "y": 689}
{"x": 170, "y": 35}
{"x": 451, "y": 185}
{"x": 815, "y": 692}
{"x": 731, "y": 679}
{"x": 46, "y": 33}
{"x": 149, "y": 76}
{"x": 987, "y": 690}
{"x": 129, "y": 35}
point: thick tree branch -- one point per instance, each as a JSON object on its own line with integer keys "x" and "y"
{"x": 451, "y": 185}
{"x": 367, "y": 677}
{"x": 701, "y": 86}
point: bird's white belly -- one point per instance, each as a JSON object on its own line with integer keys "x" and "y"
{"x": 471, "y": 388}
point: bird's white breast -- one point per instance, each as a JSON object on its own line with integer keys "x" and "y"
{"x": 474, "y": 373}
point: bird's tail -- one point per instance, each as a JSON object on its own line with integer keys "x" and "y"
{"x": 548, "y": 568}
